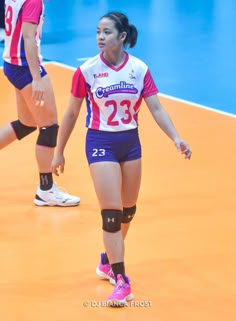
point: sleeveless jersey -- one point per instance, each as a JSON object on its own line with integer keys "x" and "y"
{"x": 16, "y": 12}
{"x": 113, "y": 94}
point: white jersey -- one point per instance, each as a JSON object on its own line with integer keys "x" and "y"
{"x": 113, "y": 94}
{"x": 17, "y": 12}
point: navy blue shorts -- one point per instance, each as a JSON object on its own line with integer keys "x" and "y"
{"x": 20, "y": 76}
{"x": 102, "y": 146}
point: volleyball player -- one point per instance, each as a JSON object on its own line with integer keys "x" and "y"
{"x": 36, "y": 107}
{"x": 113, "y": 84}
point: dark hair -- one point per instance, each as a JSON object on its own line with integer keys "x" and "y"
{"x": 122, "y": 24}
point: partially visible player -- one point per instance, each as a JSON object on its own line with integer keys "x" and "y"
{"x": 36, "y": 107}
{"x": 2, "y": 22}
{"x": 113, "y": 84}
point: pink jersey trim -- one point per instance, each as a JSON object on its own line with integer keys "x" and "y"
{"x": 15, "y": 43}
{"x": 79, "y": 88}
{"x": 31, "y": 11}
{"x": 149, "y": 87}
{"x": 136, "y": 108}
{"x": 96, "y": 113}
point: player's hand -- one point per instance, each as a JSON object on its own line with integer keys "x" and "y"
{"x": 183, "y": 147}
{"x": 58, "y": 164}
{"x": 38, "y": 92}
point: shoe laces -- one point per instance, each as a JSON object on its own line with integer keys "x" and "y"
{"x": 111, "y": 274}
{"x": 119, "y": 285}
{"x": 60, "y": 191}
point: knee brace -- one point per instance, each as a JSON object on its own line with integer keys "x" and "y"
{"x": 21, "y": 130}
{"x": 111, "y": 220}
{"x": 128, "y": 214}
{"x": 48, "y": 136}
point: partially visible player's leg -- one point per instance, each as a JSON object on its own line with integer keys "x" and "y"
{"x": 7, "y": 135}
{"x": 20, "y": 128}
{"x": 45, "y": 116}
{"x": 30, "y": 116}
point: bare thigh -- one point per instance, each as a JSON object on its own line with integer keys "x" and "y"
{"x": 131, "y": 180}
{"x": 116, "y": 185}
{"x": 107, "y": 182}
{"x": 32, "y": 115}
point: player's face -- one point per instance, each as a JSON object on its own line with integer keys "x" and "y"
{"x": 108, "y": 36}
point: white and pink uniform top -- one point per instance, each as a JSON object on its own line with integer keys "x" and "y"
{"x": 17, "y": 12}
{"x": 113, "y": 94}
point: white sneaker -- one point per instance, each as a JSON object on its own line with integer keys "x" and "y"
{"x": 55, "y": 197}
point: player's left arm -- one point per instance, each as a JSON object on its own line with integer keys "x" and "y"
{"x": 29, "y": 29}
{"x": 164, "y": 121}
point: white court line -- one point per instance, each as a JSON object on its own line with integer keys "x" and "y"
{"x": 59, "y": 64}
{"x": 197, "y": 105}
{"x": 83, "y": 59}
{"x": 160, "y": 94}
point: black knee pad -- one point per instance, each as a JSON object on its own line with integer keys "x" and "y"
{"x": 111, "y": 220}
{"x": 21, "y": 130}
{"x": 48, "y": 136}
{"x": 128, "y": 214}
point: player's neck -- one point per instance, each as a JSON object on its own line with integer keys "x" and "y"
{"x": 114, "y": 59}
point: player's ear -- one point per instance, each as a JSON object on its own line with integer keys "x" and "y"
{"x": 123, "y": 36}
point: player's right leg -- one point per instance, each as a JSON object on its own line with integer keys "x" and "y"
{"x": 19, "y": 128}
{"x": 30, "y": 117}
{"x": 47, "y": 194}
{"x": 23, "y": 126}
{"x": 7, "y": 135}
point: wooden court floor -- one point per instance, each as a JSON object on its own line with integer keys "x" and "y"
{"x": 180, "y": 252}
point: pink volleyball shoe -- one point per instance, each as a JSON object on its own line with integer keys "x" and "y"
{"x": 104, "y": 271}
{"x": 121, "y": 293}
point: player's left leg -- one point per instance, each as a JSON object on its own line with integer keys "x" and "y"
{"x": 131, "y": 179}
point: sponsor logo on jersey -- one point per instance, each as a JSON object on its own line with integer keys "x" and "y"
{"x": 131, "y": 75}
{"x": 101, "y": 75}
{"x": 122, "y": 87}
